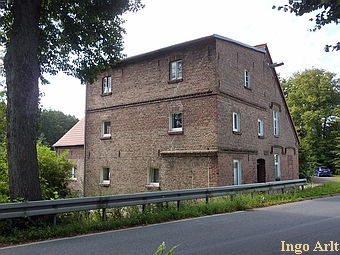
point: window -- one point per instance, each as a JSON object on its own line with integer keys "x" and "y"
{"x": 276, "y": 123}
{"x": 74, "y": 173}
{"x": 106, "y": 129}
{"x": 236, "y": 122}
{"x": 105, "y": 175}
{"x": 246, "y": 79}
{"x": 237, "y": 172}
{"x": 176, "y": 123}
{"x": 260, "y": 127}
{"x": 277, "y": 167}
{"x": 106, "y": 85}
{"x": 153, "y": 177}
{"x": 176, "y": 70}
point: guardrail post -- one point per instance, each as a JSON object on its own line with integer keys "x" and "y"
{"x": 54, "y": 219}
{"x": 104, "y": 214}
{"x": 143, "y": 208}
{"x": 178, "y": 204}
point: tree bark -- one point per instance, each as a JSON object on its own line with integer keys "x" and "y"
{"x": 22, "y": 74}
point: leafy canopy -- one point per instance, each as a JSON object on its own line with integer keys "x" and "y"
{"x": 328, "y": 11}
{"x": 313, "y": 97}
{"x": 78, "y": 37}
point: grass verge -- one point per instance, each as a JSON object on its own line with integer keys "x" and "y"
{"x": 16, "y": 231}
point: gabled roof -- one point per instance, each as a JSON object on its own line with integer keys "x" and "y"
{"x": 73, "y": 137}
{"x": 179, "y": 45}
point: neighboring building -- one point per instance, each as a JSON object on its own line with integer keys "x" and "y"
{"x": 208, "y": 112}
{"x": 73, "y": 142}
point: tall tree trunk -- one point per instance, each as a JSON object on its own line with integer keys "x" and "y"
{"x": 22, "y": 75}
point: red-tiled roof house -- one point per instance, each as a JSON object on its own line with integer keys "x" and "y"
{"x": 73, "y": 141}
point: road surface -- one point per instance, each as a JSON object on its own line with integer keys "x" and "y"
{"x": 307, "y": 227}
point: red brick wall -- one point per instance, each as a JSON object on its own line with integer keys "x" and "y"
{"x": 202, "y": 155}
{"x": 252, "y": 104}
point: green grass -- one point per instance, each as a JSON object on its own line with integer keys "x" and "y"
{"x": 18, "y": 231}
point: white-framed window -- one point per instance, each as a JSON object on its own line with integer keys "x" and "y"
{"x": 236, "y": 122}
{"x": 176, "y": 70}
{"x": 106, "y": 128}
{"x": 176, "y": 121}
{"x": 260, "y": 127}
{"x": 237, "y": 172}
{"x": 153, "y": 176}
{"x": 74, "y": 173}
{"x": 277, "y": 166}
{"x": 246, "y": 78}
{"x": 106, "y": 84}
{"x": 105, "y": 175}
{"x": 276, "y": 123}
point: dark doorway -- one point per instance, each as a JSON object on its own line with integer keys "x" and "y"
{"x": 261, "y": 170}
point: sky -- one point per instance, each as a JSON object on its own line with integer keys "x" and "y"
{"x": 164, "y": 23}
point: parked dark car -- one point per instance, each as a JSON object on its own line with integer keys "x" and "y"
{"x": 322, "y": 171}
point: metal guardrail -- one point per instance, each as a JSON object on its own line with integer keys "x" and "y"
{"x": 54, "y": 207}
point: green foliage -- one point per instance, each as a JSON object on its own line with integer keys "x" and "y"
{"x": 54, "y": 172}
{"x": 327, "y": 11}
{"x": 53, "y": 125}
{"x": 80, "y": 38}
{"x": 4, "y": 191}
{"x": 336, "y": 151}
{"x": 313, "y": 97}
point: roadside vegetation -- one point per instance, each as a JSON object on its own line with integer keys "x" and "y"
{"x": 18, "y": 231}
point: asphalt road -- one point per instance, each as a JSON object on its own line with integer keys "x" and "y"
{"x": 296, "y": 228}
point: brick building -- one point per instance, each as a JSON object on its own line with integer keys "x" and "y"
{"x": 208, "y": 112}
{"x": 73, "y": 142}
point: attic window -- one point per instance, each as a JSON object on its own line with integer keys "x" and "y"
{"x": 176, "y": 70}
{"x": 246, "y": 79}
{"x": 107, "y": 85}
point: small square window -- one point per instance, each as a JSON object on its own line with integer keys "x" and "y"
{"x": 106, "y": 85}
{"x": 246, "y": 79}
{"x": 176, "y": 123}
{"x": 106, "y": 129}
{"x": 260, "y": 127}
{"x": 236, "y": 122}
{"x": 153, "y": 176}
{"x": 105, "y": 175}
{"x": 176, "y": 70}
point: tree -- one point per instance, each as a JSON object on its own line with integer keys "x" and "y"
{"x": 328, "y": 11}
{"x": 53, "y": 125}
{"x": 78, "y": 37}
{"x": 313, "y": 97}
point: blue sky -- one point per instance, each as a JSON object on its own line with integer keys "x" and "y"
{"x": 166, "y": 22}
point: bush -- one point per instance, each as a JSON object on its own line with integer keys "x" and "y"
{"x": 54, "y": 173}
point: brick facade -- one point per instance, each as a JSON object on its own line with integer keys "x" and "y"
{"x": 202, "y": 154}
{"x": 76, "y": 155}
